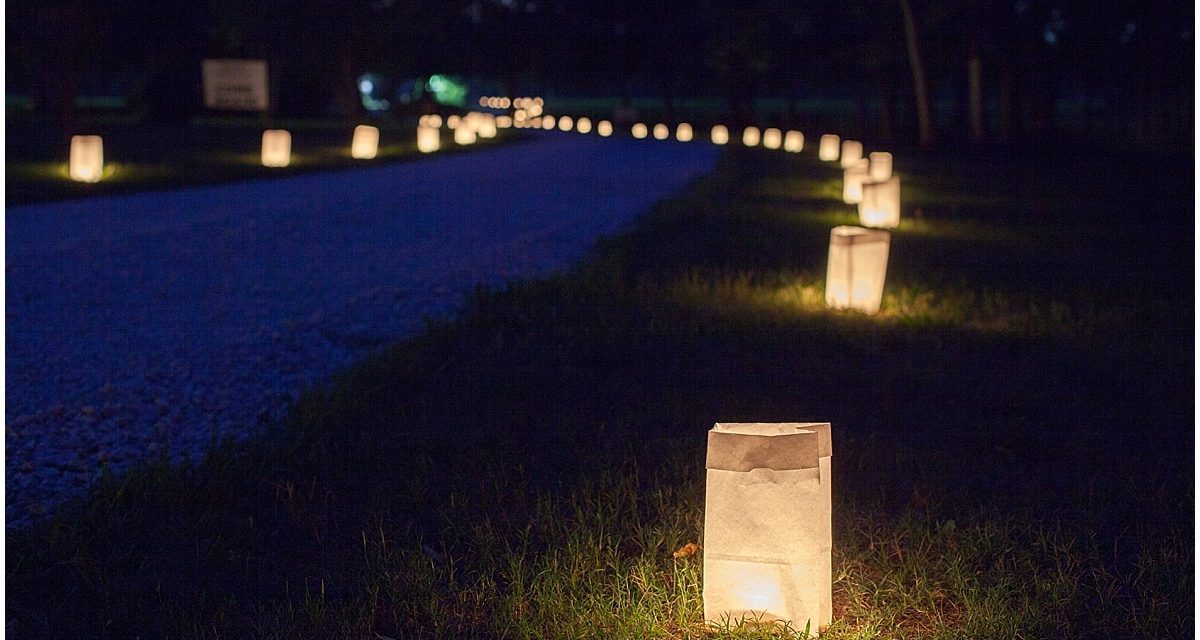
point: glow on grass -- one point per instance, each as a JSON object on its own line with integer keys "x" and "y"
{"x": 87, "y": 159}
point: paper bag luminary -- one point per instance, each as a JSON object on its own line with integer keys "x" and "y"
{"x": 772, "y": 138}
{"x": 853, "y": 177}
{"x": 365, "y": 143}
{"x": 751, "y": 136}
{"x": 276, "y": 148}
{"x": 87, "y": 159}
{"x": 719, "y": 134}
{"x": 880, "y": 206}
{"x": 583, "y": 125}
{"x": 683, "y": 132}
{"x": 429, "y": 139}
{"x": 793, "y": 142}
{"x": 829, "y": 147}
{"x": 768, "y": 532}
{"x": 852, "y": 152}
{"x": 604, "y": 128}
{"x": 857, "y": 269}
{"x": 881, "y": 166}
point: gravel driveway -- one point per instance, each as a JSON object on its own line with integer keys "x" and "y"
{"x": 162, "y": 320}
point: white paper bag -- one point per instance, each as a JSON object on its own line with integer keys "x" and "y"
{"x": 767, "y": 524}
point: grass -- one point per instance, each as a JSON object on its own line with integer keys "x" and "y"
{"x": 1012, "y": 436}
{"x": 143, "y": 157}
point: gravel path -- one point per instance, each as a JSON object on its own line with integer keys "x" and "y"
{"x": 161, "y": 320}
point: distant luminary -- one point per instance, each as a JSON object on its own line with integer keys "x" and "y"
{"x": 772, "y": 138}
{"x": 487, "y": 127}
{"x": 87, "y": 159}
{"x": 683, "y": 132}
{"x": 453, "y": 121}
{"x": 276, "y": 148}
{"x": 639, "y": 130}
{"x": 853, "y": 177}
{"x": 880, "y": 206}
{"x": 365, "y": 144}
{"x": 661, "y": 132}
{"x": 464, "y": 135}
{"x": 720, "y": 134}
{"x": 828, "y": 149}
{"x": 504, "y": 122}
{"x": 852, "y": 151}
{"x": 857, "y": 268}
{"x": 751, "y": 136}
{"x": 604, "y": 128}
{"x": 548, "y": 122}
{"x": 583, "y": 125}
{"x": 793, "y": 142}
{"x": 881, "y": 166}
{"x": 429, "y": 139}
{"x": 565, "y": 123}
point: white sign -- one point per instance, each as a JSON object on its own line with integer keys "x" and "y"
{"x": 237, "y": 85}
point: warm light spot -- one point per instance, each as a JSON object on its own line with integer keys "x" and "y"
{"x": 772, "y": 138}
{"x": 604, "y": 128}
{"x": 548, "y": 123}
{"x": 87, "y": 159}
{"x": 505, "y": 103}
{"x": 661, "y": 132}
{"x": 853, "y": 177}
{"x": 583, "y": 126}
{"x": 793, "y": 142}
{"x": 365, "y": 144}
{"x": 504, "y": 122}
{"x": 464, "y": 135}
{"x": 751, "y": 136}
{"x": 881, "y": 166}
{"x": 429, "y": 139}
{"x": 276, "y": 148}
{"x": 830, "y": 145}
{"x": 720, "y": 134}
{"x": 434, "y": 120}
{"x": 483, "y": 102}
{"x": 857, "y": 268}
{"x": 639, "y": 131}
{"x": 453, "y": 121}
{"x": 880, "y": 206}
{"x": 683, "y": 132}
{"x": 852, "y": 152}
{"x": 565, "y": 123}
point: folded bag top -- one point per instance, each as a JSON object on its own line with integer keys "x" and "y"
{"x": 777, "y": 446}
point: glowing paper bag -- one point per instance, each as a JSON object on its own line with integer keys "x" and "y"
{"x": 768, "y": 524}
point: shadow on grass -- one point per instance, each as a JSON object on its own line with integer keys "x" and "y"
{"x": 1006, "y": 464}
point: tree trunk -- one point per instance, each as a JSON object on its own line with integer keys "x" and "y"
{"x": 975, "y": 88}
{"x": 920, "y": 83}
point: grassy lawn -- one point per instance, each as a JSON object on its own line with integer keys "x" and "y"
{"x": 144, "y": 157}
{"x": 1013, "y": 443}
